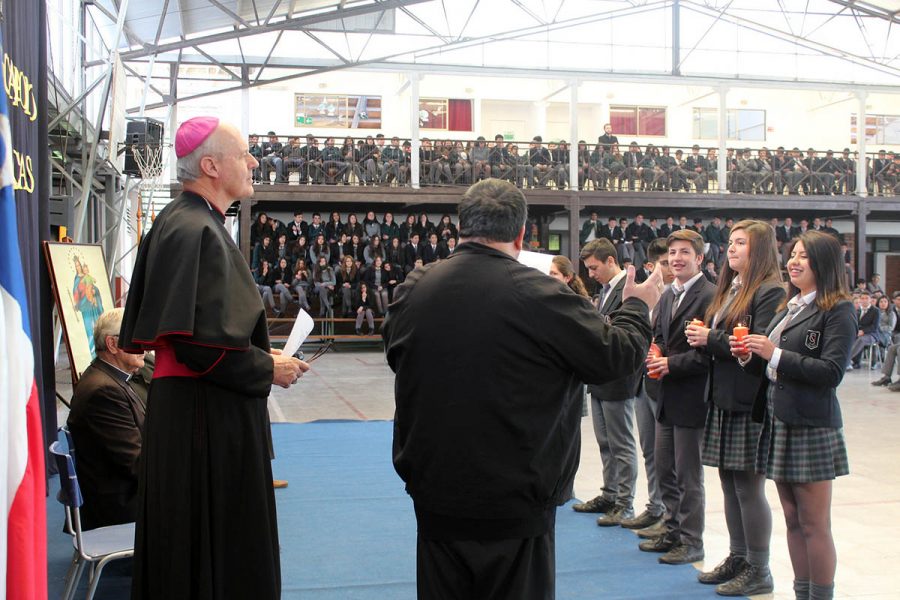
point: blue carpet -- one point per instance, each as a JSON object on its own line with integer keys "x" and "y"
{"x": 347, "y": 530}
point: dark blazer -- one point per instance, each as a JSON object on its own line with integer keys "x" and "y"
{"x": 106, "y": 421}
{"x": 641, "y": 275}
{"x": 782, "y": 234}
{"x": 625, "y": 387}
{"x": 681, "y": 401}
{"x": 729, "y": 386}
{"x": 586, "y": 230}
{"x": 411, "y": 254}
{"x": 429, "y": 255}
{"x": 815, "y": 349}
{"x": 368, "y": 276}
{"x": 665, "y": 230}
{"x": 869, "y": 321}
{"x": 604, "y": 232}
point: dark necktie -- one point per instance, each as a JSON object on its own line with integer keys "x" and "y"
{"x": 605, "y": 296}
{"x": 679, "y": 292}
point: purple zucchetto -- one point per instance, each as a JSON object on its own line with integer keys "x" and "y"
{"x": 192, "y": 133}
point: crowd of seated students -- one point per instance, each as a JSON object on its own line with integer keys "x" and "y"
{"x": 346, "y": 267}
{"x": 604, "y": 166}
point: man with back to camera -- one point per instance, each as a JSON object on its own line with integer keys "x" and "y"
{"x": 488, "y": 460}
{"x": 681, "y": 410}
{"x": 106, "y": 422}
{"x": 202, "y": 496}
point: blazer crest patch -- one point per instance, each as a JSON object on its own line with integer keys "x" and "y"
{"x": 812, "y": 339}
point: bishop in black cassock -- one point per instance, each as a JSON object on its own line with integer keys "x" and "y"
{"x": 206, "y": 526}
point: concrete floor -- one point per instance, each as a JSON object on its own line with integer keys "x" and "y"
{"x": 357, "y": 384}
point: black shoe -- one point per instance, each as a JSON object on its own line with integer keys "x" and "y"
{"x": 596, "y": 505}
{"x": 654, "y": 531}
{"x": 682, "y": 554}
{"x": 749, "y": 582}
{"x": 615, "y": 517}
{"x": 724, "y": 571}
{"x": 663, "y": 543}
{"x": 894, "y": 387}
{"x": 642, "y": 521}
{"x": 884, "y": 381}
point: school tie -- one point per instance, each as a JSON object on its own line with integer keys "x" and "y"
{"x": 679, "y": 292}
{"x": 793, "y": 308}
{"x": 606, "y": 288}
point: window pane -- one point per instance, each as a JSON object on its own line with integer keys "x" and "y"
{"x": 652, "y": 121}
{"x": 891, "y": 130}
{"x": 337, "y": 112}
{"x": 706, "y": 124}
{"x": 432, "y": 114}
{"x": 750, "y": 125}
{"x": 623, "y": 120}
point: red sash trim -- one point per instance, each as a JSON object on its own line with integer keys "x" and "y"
{"x": 168, "y": 366}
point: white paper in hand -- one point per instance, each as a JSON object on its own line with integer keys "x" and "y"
{"x": 539, "y": 261}
{"x": 302, "y": 326}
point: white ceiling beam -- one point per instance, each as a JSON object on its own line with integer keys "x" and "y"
{"x": 290, "y": 23}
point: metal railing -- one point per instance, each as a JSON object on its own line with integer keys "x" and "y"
{"x": 373, "y": 161}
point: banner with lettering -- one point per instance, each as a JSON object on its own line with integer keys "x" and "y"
{"x": 25, "y": 78}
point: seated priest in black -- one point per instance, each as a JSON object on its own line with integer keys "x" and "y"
{"x": 106, "y": 422}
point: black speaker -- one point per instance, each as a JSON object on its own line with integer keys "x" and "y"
{"x": 140, "y": 131}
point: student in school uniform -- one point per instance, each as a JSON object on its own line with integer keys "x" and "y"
{"x": 802, "y": 445}
{"x": 749, "y": 286}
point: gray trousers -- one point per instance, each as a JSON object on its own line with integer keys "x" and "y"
{"x": 645, "y": 412}
{"x": 890, "y": 360}
{"x": 680, "y": 473}
{"x": 614, "y": 428}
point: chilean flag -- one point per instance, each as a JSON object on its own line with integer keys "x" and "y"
{"x": 23, "y": 522}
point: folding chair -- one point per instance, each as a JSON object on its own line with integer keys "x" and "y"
{"x": 98, "y": 546}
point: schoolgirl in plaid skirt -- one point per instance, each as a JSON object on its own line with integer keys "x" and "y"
{"x": 803, "y": 355}
{"x": 749, "y": 292}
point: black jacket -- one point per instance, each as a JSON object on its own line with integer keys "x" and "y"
{"x": 430, "y": 255}
{"x": 815, "y": 349}
{"x": 729, "y": 386}
{"x": 622, "y": 388}
{"x": 868, "y": 322}
{"x": 680, "y": 401}
{"x": 492, "y": 453}
{"x": 106, "y": 422}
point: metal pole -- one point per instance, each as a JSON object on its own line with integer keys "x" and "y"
{"x": 723, "y": 137}
{"x": 573, "y": 133}
{"x": 861, "y": 174}
{"x": 676, "y": 38}
{"x": 88, "y": 172}
{"x": 574, "y": 208}
{"x": 414, "y": 130}
{"x": 860, "y": 239}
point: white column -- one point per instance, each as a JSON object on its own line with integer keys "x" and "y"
{"x": 414, "y": 129}
{"x": 573, "y": 135}
{"x": 723, "y": 137}
{"x": 861, "y": 175}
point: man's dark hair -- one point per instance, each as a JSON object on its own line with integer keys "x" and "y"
{"x": 656, "y": 249}
{"x": 493, "y": 210}
{"x": 601, "y": 249}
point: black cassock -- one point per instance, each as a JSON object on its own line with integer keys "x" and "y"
{"x": 206, "y": 526}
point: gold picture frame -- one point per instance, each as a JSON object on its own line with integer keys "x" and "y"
{"x": 82, "y": 292}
